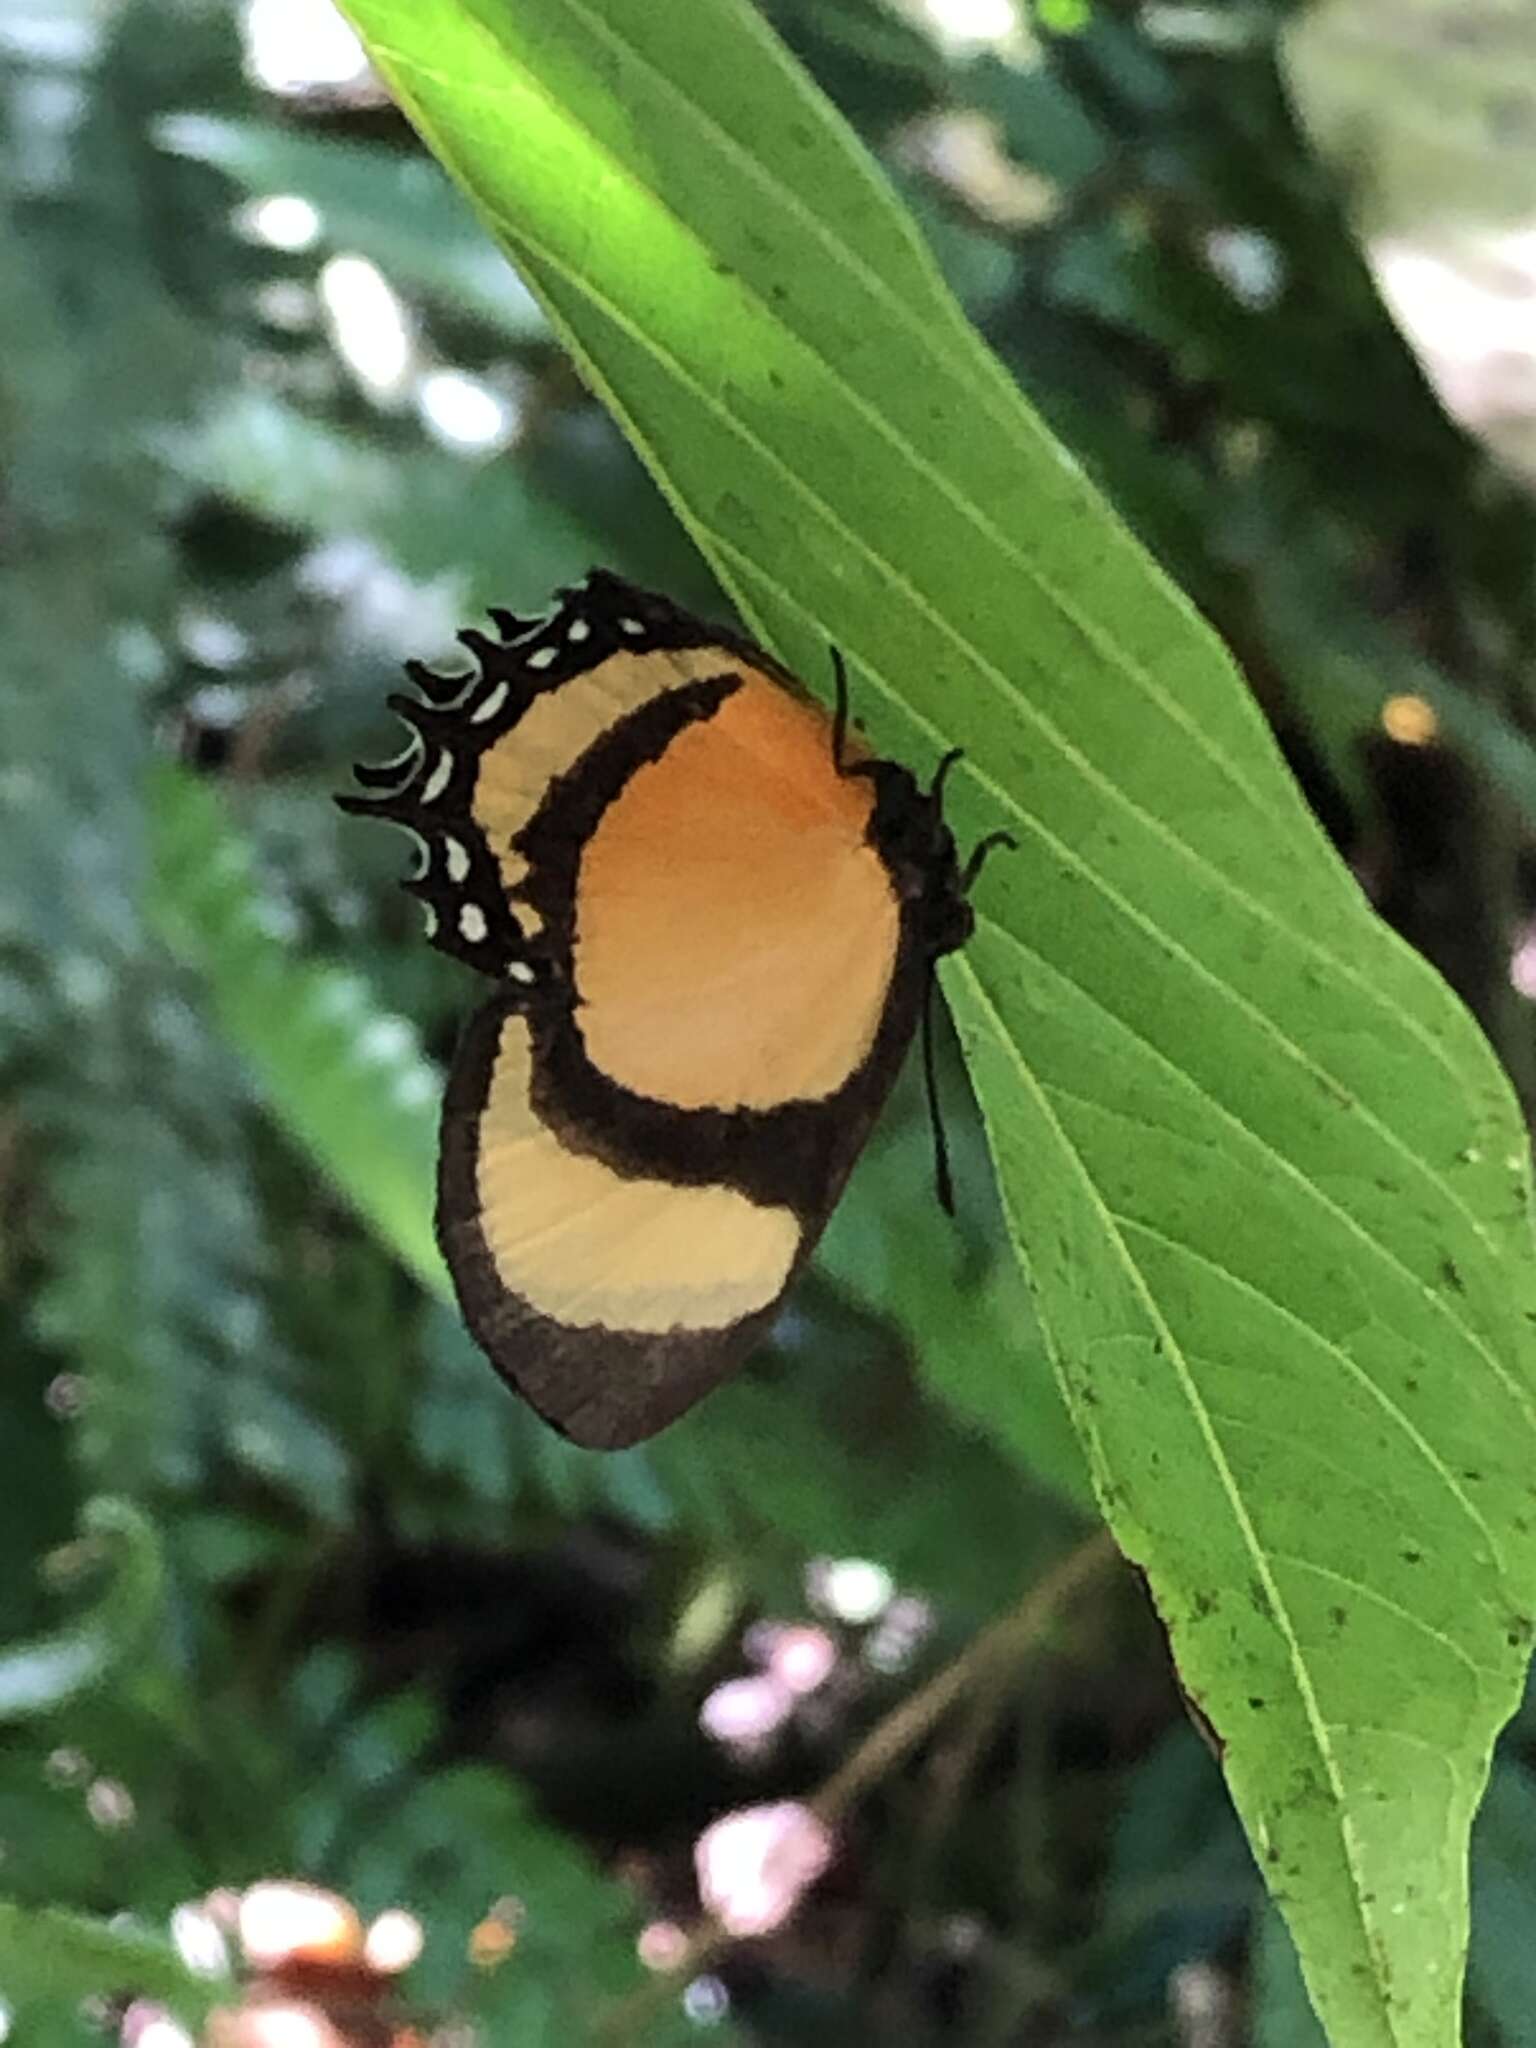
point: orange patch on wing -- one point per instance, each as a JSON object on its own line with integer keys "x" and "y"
{"x": 557, "y": 729}
{"x": 735, "y": 932}
{"x": 590, "y": 1248}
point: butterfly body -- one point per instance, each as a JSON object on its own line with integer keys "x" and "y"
{"x": 711, "y": 937}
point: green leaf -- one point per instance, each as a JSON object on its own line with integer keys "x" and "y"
{"x": 51, "y": 1960}
{"x": 312, "y": 1035}
{"x": 1267, "y": 1179}
{"x": 42, "y": 1674}
{"x": 465, "y": 1836}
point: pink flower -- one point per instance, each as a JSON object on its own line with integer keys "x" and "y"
{"x": 754, "y": 1865}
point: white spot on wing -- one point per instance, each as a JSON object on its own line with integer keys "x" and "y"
{"x": 457, "y": 857}
{"x": 519, "y": 970}
{"x": 630, "y": 626}
{"x": 429, "y": 919}
{"x": 489, "y": 705}
{"x": 472, "y": 925}
{"x": 541, "y": 657}
{"x": 578, "y": 629}
{"x": 437, "y": 781}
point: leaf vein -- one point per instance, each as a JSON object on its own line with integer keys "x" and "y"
{"x": 1352, "y": 1367}
{"x": 1475, "y": 1341}
{"x": 1385, "y": 1601}
{"x": 1226, "y": 1478}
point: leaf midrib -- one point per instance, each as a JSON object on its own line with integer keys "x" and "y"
{"x": 1317, "y": 1727}
{"x": 1436, "y": 1300}
{"x": 1308, "y": 1188}
{"x": 1352, "y": 1367}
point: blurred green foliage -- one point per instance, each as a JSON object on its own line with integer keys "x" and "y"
{"x": 292, "y": 1586}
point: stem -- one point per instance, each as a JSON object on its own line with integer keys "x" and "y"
{"x": 1008, "y": 1639}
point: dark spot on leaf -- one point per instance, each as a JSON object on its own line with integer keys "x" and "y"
{"x": 1411, "y": 1383}
{"x": 1450, "y": 1274}
{"x": 1258, "y": 1597}
{"x": 1412, "y": 1556}
{"x": 1205, "y": 1604}
{"x": 1338, "y": 1616}
{"x": 1258, "y": 1705}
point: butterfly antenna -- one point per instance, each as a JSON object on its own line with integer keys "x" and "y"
{"x": 943, "y": 1183}
{"x": 978, "y": 859}
{"x": 941, "y": 773}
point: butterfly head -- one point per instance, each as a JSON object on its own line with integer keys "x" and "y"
{"x": 908, "y": 830}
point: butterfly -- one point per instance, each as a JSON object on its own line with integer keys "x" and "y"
{"x": 710, "y": 919}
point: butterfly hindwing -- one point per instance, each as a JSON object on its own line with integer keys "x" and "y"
{"x": 610, "y": 1301}
{"x": 613, "y": 1298}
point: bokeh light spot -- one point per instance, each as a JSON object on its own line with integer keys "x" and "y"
{"x": 1410, "y": 721}
{"x": 754, "y": 1865}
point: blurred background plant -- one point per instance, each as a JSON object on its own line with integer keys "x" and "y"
{"x": 292, "y": 1588}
